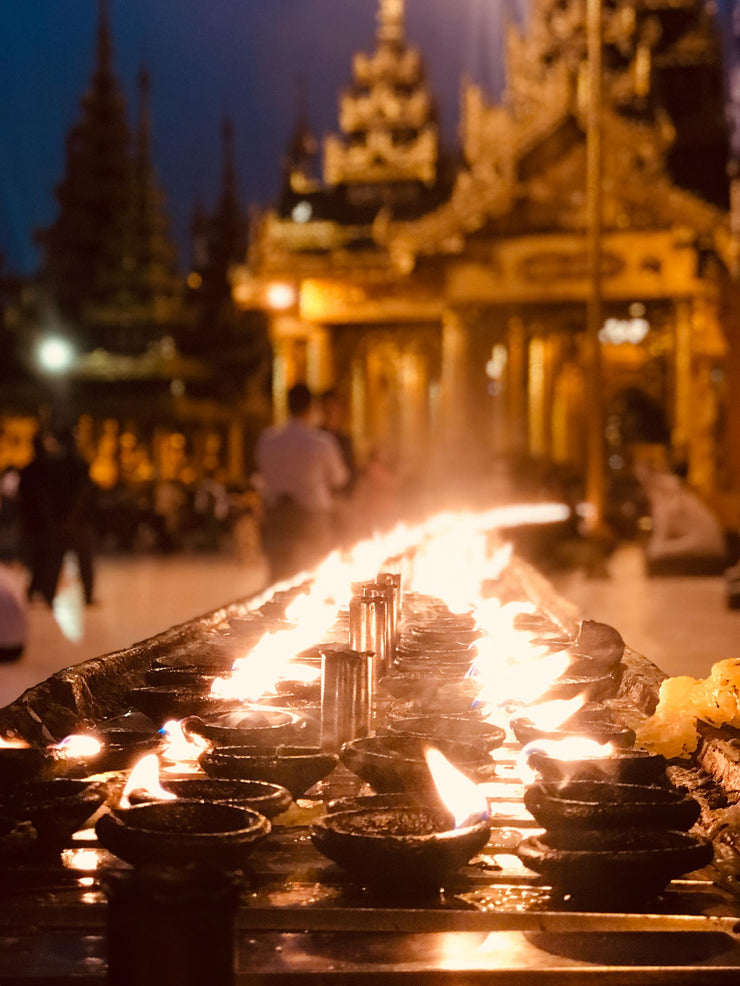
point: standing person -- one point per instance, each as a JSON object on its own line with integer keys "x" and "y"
{"x": 73, "y": 504}
{"x": 40, "y": 532}
{"x": 301, "y": 468}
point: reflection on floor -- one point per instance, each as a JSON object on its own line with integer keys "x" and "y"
{"x": 139, "y": 596}
{"x": 682, "y": 624}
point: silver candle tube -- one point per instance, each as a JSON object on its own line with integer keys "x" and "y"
{"x": 393, "y": 579}
{"x": 346, "y": 696}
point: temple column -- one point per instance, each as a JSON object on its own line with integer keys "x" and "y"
{"x": 235, "y": 450}
{"x": 288, "y": 358}
{"x": 413, "y": 418}
{"x": 454, "y": 412}
{"x": 516, "y": 387}
{"x": 319, "y": 361}
{"x": 537, "y": 424}
{"x": 682, "y": 376}
{"x": 358, "y": 408}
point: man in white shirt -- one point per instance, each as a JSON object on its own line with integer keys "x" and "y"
{"x": 301, "y": 467}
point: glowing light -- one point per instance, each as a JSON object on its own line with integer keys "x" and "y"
{"x": 460, "y": 795}
{"x": 280, "y": 296}
{"x": 552, "y": 715}
{"x": 55, "y": 354}
{"x": 86, "y": 860}
{"x": 144, "y": 777}
{"x": 181, "y": 747}
{"x": 77, "y": 747}
{"x": 13, "y": 743}
{"x": 565, "y": 750}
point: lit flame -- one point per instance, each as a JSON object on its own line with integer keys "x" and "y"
{"x": 79, "y": 746}
{"x": 460, "y": 795}
{"x": 552, "y": 715}
{"x": 179, "y": 746}
{"x": 564, "y": 750}
{"x": 13, "y": 743}
{"x": 144, "y": 777}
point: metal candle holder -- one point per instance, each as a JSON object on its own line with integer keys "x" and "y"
{"x": 347, "y": 685}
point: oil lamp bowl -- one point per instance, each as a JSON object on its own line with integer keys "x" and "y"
{"x": 621, "y": 766}
{"x": 632, "y": 865}
{"x": 400, "y": 850}
{"x": 397, "y": 762}
{"x": 22, "y": 764}
{"x": 176, "y": 833}
{"x": 161, "y": 702}
{"x": 577, "y": 805}
{"x": 56, "y": 808}
{"x": 267, "y": 799}
{"x": 121, "y": 748}
{"x": 16, "y": 839}
{"x": 192, "y": 677}
{"x": 594, "y": 686}
{"x": 473, "y": 732}
{"x": 590, "y": 725}
{"x": 257, "y": 725}
{"x": 296, "y": 768}
{"x": 423, "y": 694}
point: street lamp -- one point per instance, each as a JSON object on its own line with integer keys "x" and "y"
{"x": 55, "y": 354}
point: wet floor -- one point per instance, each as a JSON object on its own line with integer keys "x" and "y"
{"x": 681, "y": 624}
{"x": 138, "y": 596}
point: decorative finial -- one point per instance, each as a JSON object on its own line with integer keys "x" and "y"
{"x": 390, "y": 20}
{"x": 104, "y": 39}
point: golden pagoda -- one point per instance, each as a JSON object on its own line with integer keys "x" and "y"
{"x": 450, "y": 309}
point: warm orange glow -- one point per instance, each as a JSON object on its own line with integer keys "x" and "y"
{"x": 567, "y": 749}
{"x": 552, "y": 715}
{"x": 13, "y": 743}
{"x": 460, "y": 795}
{"x": 280, "y": 296}
{"x": 77, "y": 747}
{"x": 144, "y": 777}
{"x": 181, "y": 748}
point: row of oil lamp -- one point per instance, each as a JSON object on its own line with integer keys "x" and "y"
{"x": 255, "y": 721}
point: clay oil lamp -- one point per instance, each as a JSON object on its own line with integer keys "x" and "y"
{"x": 619, "y": 868}
{"x": 407, "y": 849}
{"x": 296, "y": 768}
{"x": 582, "y": 759}
{"x": 56, "y": 808}
{"x": 398, "y": 762}
{"x": 564, "y": 809}
{"x": 163, "y": 702}
{"x": 191, "y": 677}
{"x": 179, "y": 832}
{"x": 180, "y": 750}
{"x": 146, "y": 784}
{"x": 473, "y": 732}
{"x": 20, "y": 762}
{"x": 257, "y": 725}
{"x": 566, "y": 718}
{"x": 17, "y": 840}
{"x": 108, "y": 748}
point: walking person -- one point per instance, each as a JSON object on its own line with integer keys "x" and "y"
{"x": 301, "y": 468}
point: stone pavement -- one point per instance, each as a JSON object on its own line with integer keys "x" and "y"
{"x": 139, "y": 596}
{"x": 682, "y": 624}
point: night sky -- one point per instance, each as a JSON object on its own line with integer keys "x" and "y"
{"x": 207, "y": 59}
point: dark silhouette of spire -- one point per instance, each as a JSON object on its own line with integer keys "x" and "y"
{"x": 84, "y": 246}
{"x": 150, "y": 254}
{"x": 220, "y": 240}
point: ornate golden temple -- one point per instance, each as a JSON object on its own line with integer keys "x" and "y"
{"x": 448, "y": 305}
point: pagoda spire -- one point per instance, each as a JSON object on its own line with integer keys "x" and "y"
{"x": 391, "y": 15}
{"x": 150, "y": 257}
{"x": 104, "y": 56}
